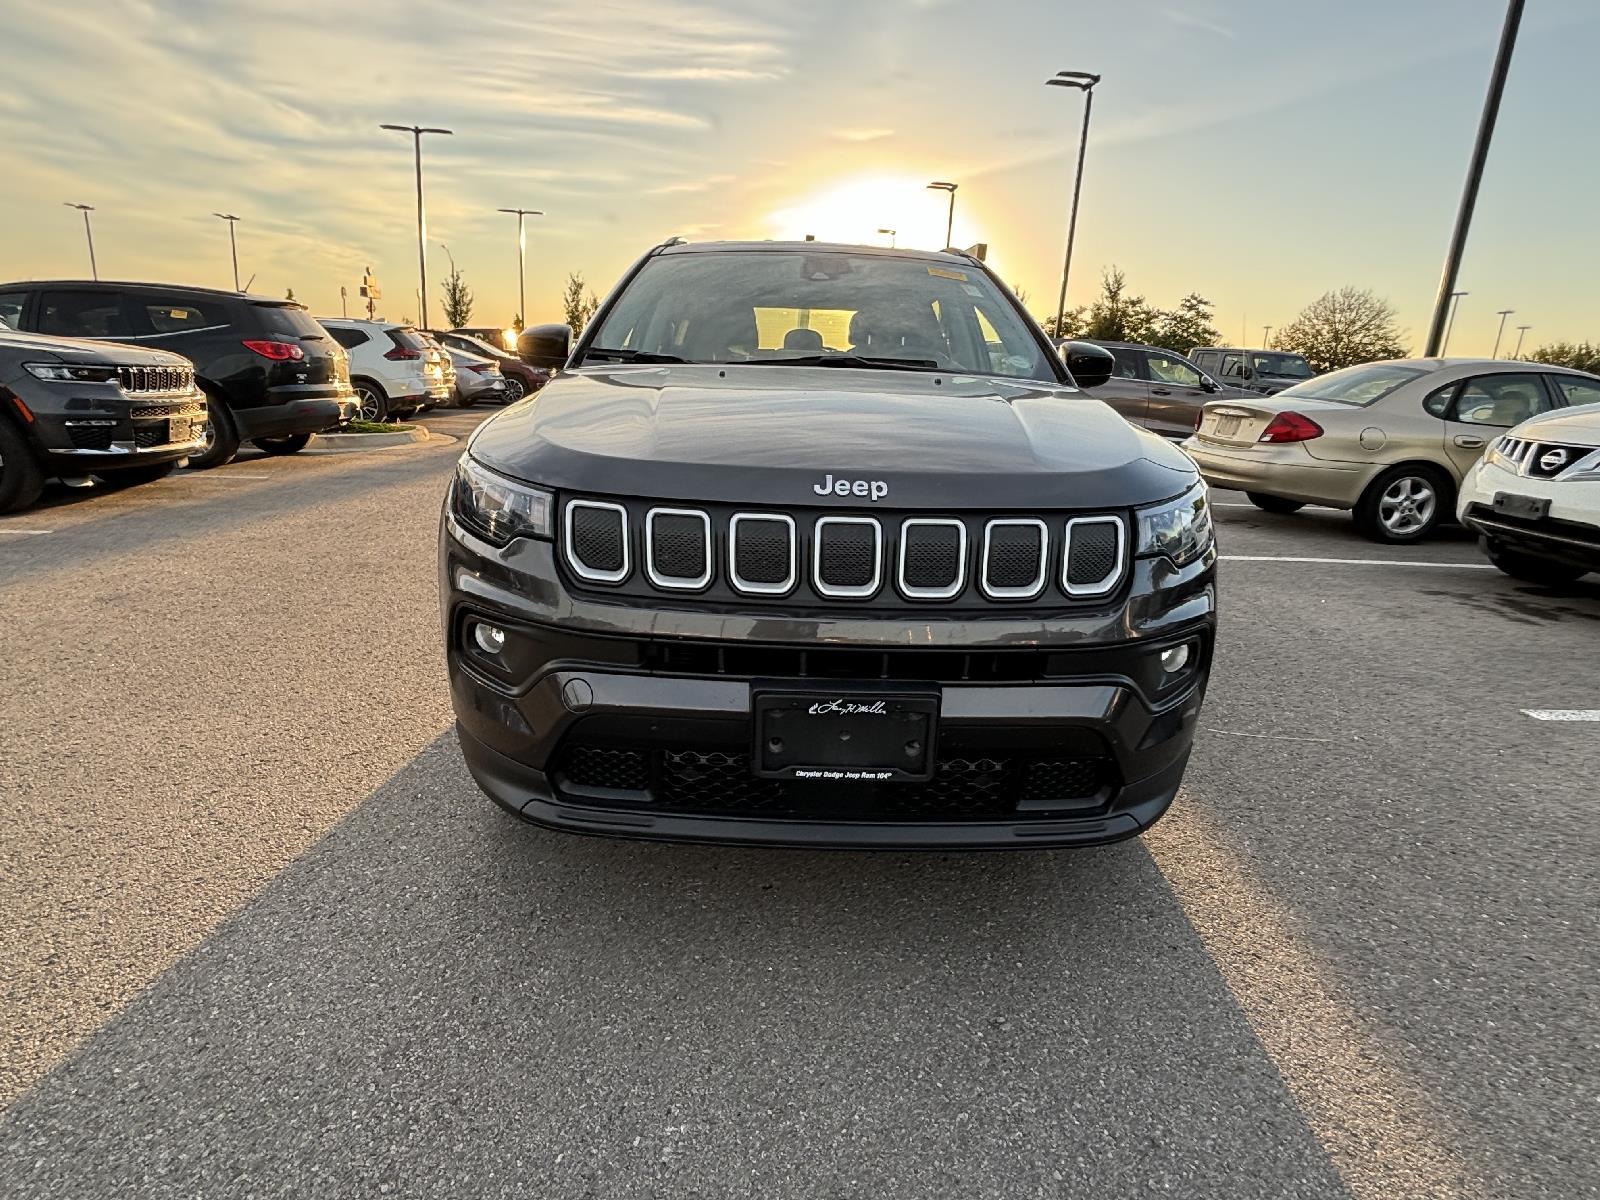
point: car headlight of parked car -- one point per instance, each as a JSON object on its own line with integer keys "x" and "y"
{"x": 1496, "y": 453}
{"x": 67, "y": 373}
{"x": 1179, "y": 529}
{"x": 498, "y": 509}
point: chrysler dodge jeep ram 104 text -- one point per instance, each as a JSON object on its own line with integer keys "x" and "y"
{"x": 823, "y": 545}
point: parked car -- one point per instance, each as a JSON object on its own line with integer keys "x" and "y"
{"x": 1264, "y": 371}
{"x": 393, "y": 370}
{"x": 1158, "y": 389}
{"x": 1534, "y": 497}
{"x": 485, "y": 333}
{"x": 271, "y": 374}
{"x": 1389, "y": 440}
{"x": 440, "y": 364}
{"x": 677, "y": 590}
{"x": 477, "y": 378}
{"x": 521, "y": 379}
{"x": 70, "y": 408}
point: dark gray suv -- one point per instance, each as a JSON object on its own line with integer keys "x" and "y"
{"x": 822, "y": 545}
{"x": 70, "y": 408}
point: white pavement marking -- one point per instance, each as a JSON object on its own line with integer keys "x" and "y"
{"x": 217, "y": 477}
{"x": 1563, "y": 714}
{"x": 1356, "y": 562}
{"x": 27, "y": 532}
{"x": 1275, "y": 737}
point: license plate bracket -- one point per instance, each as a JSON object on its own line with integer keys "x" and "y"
{"x": 845, "y": 736}
{"x": 1528, "y": 508}
{"x": 179, "y": 429}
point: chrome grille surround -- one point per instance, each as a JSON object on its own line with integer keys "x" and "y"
{"x": 753, "y": 588}
{"x": 578, "y": 566}
{"x": 683, "y": 583}
{"x": 1002, "y": 592}
{"x": 846, "y": 592}
{"x": 911, "y": 592}
{"x": 1107, "y": 582}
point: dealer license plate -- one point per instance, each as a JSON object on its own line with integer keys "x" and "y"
{"x": 1529, "y": 508}
{"x": 845, "y": 736}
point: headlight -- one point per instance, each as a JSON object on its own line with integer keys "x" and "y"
{"x": 1496, "y": 453}
{"x": 498, "y": 509}
{"x": 66, "y": 373}
{"x": 1179, "y": 529}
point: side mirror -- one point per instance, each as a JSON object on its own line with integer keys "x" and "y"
{"x": 545, "y": 346}
{"x": 1089, "y": 366}
{"x": 1208, "y": 384}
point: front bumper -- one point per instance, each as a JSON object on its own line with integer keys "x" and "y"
{"x": 1570, "y": 533}
{"x": 94, "y": 427}
{"x": 1285, "y": 470}
{"x": 1055, "y": 729}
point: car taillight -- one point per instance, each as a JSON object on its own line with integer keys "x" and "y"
{"x": 1291, "y": 427}
{"x": 400, "y": 352}
{"x": 484, "y": 368}
{"x": 276, "y": 351}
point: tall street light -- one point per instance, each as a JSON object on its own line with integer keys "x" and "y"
{"x": 939, "y": 185}
{"x": 1084, "y": 82}
{"x": 1521, "y": 330}
{"x": 1502, "y": 314}
{"x": 232, "y": 244}
{"x": 890, "y": 234}
{"x": 1442, "y": 308}
{"x": 522, "y": 249}
{"x": 1455, "y": 298}
{"x": 86, "y": 209}
{"x": 416, "y": 132}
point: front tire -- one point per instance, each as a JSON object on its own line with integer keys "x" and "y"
{"x": 21, "y": 480}
{"x": 222, "y": 438}
{"x": 1530, "y": 568}
{"x": 135, "y": 476}
{"x": 1403, "y": 505}
{"x": 1274, "y": 504}
{"x": 291, "y": 443}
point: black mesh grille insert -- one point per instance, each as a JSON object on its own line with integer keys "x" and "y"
{"x": 1014, "y": 556}
{"x": 146, "y": 436}
{"x": 606, "y": 767}
{"x": 597, "y": 539}
{"x": 847, "y": 555}
{"x": 678, "y": 549}
{"x": 1092, "y": 555}
{"x": 932, "y": 557}
{"x": 91, "y": 437}
{"x": 761, "y": 551}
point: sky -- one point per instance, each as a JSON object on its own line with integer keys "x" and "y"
{"x": 1259, "y": 153}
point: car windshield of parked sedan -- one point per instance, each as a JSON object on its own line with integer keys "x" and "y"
{"x": 1288, "y": 366}
{"x": 819, "y": 308}
{"x": 1361, "y": 385}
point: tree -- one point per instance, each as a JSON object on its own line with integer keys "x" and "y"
{"x": 1116, "y": 316}
{"x": 1342, "y": 328}
{"x": 1581, "y": 356}
{"x": 578, "y": 309}
{"x": 457, "y": 299}
{"x": 1187, "y": 326}
{"x": 1072, "y": 323}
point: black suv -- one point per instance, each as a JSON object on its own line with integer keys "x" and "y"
{"x": 821, "y": 545}
{"x": 72, "y": 409}
{"x": 272, "y": 374}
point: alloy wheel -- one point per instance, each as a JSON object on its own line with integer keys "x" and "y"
{"x": 369, "y": 410}
{"x": 1407, "y": 506}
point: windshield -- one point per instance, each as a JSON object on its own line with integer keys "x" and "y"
{"x": 1355, "y": 385}
{"x": 819, "y": 308}
{"x": 1291, "y": 366}
{"x": 288, "y": 319}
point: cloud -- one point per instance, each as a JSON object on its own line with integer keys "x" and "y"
{"x": 703, "y": 184}
{"x": 1193, "y": 20}
{"x": 862, "y": 135}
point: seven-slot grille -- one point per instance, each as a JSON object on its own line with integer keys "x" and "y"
{"x": 845, "y": 557}
{"x": 155, "y": 379}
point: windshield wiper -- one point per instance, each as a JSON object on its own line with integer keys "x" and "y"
{"x": 617, "y": 354}
{"x": 846, "y": 360}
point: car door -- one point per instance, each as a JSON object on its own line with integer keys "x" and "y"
{"x": 1485, "y": 406}
{"x": 1126, "y": 390}
{"x": 1177, "y": 393}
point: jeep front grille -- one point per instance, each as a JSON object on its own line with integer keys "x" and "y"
{"x": 824, "y": 557}
{"x": 138, "y": 380}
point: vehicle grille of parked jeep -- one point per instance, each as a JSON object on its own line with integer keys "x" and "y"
{"x": 155, "y": 379}
{"x": 187, "y": 408}
{"x": 822, "y": 558}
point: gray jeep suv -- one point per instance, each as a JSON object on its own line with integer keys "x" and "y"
{"x": 822, "y": 545}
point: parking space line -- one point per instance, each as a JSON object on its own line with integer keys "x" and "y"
{"x": 229, "y": 477}
{"x": 1563, "y": 714}
{"x": 1356, "y": 562}
{"x": 27, "y": 532}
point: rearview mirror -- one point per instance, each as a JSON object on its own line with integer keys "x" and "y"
{"x": 545, "y": 346}
{"x": 1089, "y": 365}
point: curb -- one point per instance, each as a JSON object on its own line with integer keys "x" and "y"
{"x": 345, "y": 443}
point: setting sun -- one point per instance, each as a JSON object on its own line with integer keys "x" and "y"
{"x": 855, "y": 211}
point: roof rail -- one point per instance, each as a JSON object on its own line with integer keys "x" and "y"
{"x": 674, "y": 240}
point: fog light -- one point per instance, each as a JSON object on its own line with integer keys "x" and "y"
{"x": 491, "y": 639}
{"x": 1173, "y": 660}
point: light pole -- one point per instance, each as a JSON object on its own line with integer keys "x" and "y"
{"x": 940, "y": 185}
{"x": 522, "y": 246}
{"x": 86, "y": 209}
{"x": 232, "y": 245}
{"x": 1455, "y": 303}
{"x": 1502, "y": 314}
{"x": 1521, "y": 330}
{"x": 416, "y": 132}
{"x": 1084, "y": 82}
{"x": 888, "y": 233}
{"x": 1469, "y": 193}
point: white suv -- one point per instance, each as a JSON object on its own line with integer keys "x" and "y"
{"x": 394, "y": 370}
{"x": 1534, "y": 497}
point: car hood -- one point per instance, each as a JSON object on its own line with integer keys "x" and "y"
{"x": 40, "y": 347}
{"x": 1578, "y": 426}
{"x": 779, "y": 435}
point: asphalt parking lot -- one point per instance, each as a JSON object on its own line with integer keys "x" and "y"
{"x": 260, "y": 934}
